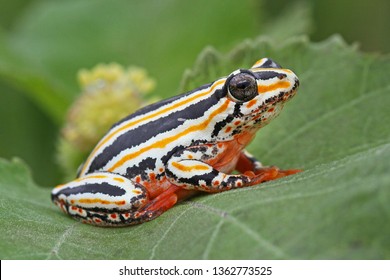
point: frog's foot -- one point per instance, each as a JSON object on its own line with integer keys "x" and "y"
{"x": 104, "y": 199}
{"x": 268, "y": 174}
{"x": 249, "y": 165}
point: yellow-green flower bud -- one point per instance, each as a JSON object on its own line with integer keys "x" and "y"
{"x": 109, "y": 93}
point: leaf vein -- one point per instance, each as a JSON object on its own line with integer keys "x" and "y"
{"x": 279, "y": 253}
{"x": 212, "y": 239}
{"x": 153, "y": 253}
{"x": 60, "y": 242}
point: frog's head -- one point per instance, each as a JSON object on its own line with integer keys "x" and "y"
{"x": 261, "y": 91}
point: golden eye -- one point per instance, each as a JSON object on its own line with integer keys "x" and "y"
{"x": 242, "y": 87}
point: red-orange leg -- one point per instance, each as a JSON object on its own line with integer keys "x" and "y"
{"x": 251, "y": 167}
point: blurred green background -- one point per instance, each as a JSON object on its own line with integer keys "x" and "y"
{"x": 44, "y": 43}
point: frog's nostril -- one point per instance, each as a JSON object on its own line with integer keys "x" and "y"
{"x": 281, "y": 76}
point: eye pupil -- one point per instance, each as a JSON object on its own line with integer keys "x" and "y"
{"x": 243, "y": 84}
{"x": 242, "y": 87}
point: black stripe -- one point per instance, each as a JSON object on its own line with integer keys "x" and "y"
{"x": 220, "y": 125}
{"x": 157, "y": 105}
{"x": 141, "y": 169}
{"x": 104, "y": 188}
{"x": 266, "y": 75}
{"x": 194, "y": 180}
{"x": 146, "y": 131}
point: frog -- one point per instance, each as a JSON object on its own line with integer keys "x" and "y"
{"x": 176, "y": 148}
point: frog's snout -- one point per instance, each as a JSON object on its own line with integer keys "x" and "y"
{"x": 293, "y": 89}
{"x": 292, "y": 78}
{"x": 296, "y": 85}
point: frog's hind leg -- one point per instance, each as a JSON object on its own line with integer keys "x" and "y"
{"x": 104, "y": 199}
{"x": 168, "y": 198}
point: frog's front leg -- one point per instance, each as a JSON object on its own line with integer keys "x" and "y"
{"x": 104, "y": 199}
{"x": 193, "y": 168}
{"x": 249, "y": 165}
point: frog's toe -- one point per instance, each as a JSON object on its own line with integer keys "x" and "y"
{"x": 271, "y": 173}
{"x": 288, "y": 172}
{"x": 267, "y": 173}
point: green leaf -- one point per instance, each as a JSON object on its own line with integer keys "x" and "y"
{"x": 51, "y": 97}
{"x": 296, "y": 15}
{"x": 51, "y": 41}
{"x": 336, "y": 129}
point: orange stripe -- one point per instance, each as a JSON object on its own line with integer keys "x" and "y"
{"x": 155, "y": 114}
{"x": 119, "y": 179}
{"x": 102, "y": 201}
{"x": 90, "y": 177}
{"x": 281, "y": 84}
{"x": 259, "y": 62}
{"x": 185, "y": 168}
{"x": 164, "y": 142}
{"x": 251, "y": 103}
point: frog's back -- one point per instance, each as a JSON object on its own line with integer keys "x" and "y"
{"x": 129, "y": 138}
{"x": 150, "y": 109}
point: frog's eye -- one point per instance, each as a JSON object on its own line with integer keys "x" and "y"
{"x": 242, "y": 87}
